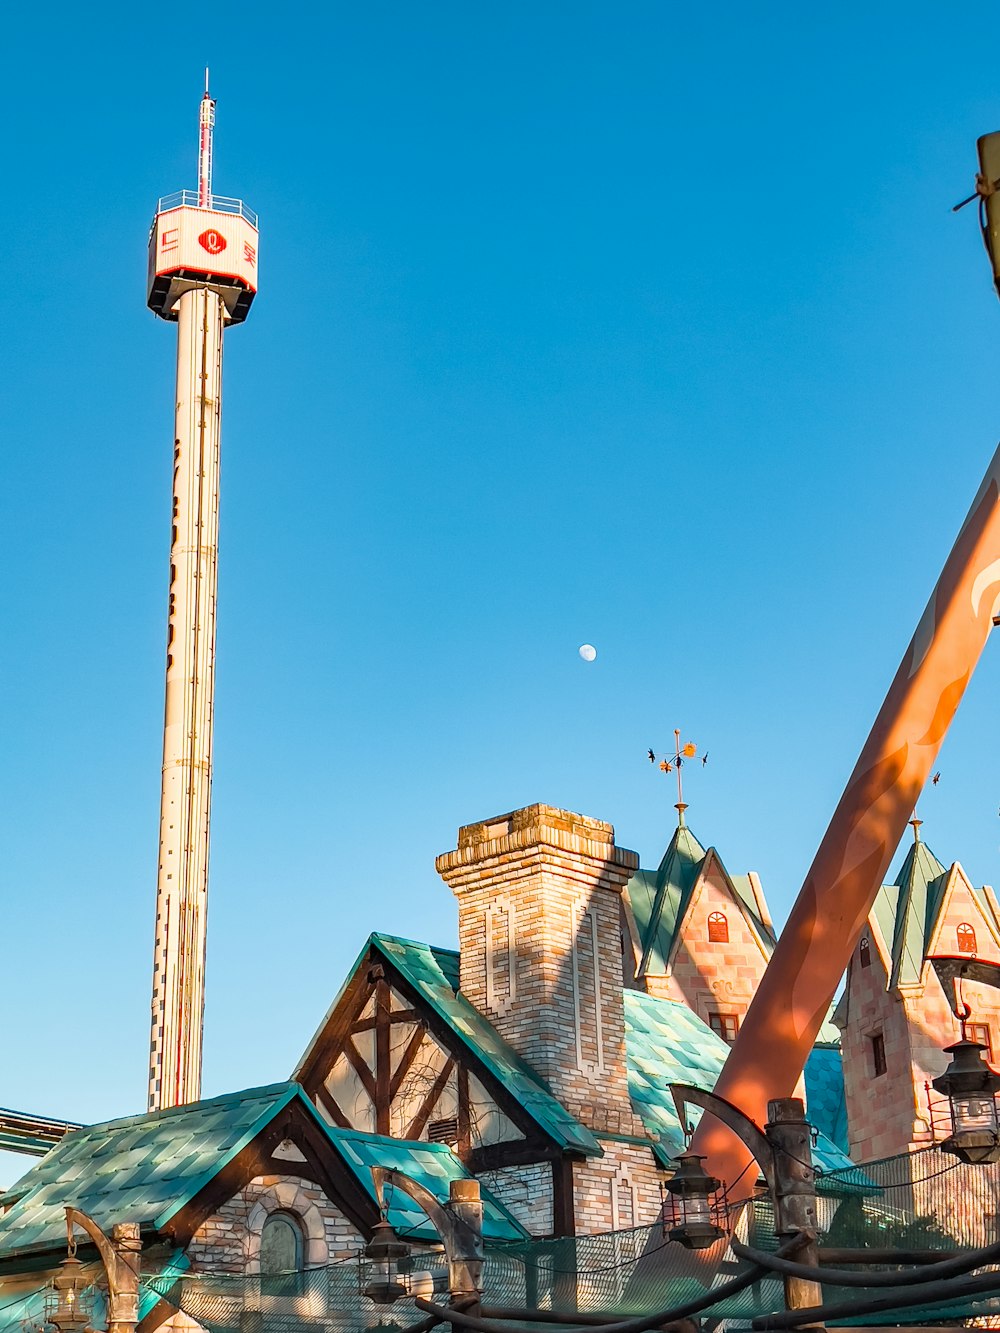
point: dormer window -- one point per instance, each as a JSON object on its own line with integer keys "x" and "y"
{"x": 718, "y": 928}
{"x": 865, "y": 953}
{"x": 966, "y": 938}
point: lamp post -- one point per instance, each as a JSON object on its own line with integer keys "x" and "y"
{"x": 459, "y": 1223}
{"x": 971, "y": 1087}
{"x": 120, "y": 1257}
{"x": 783, "y": 1150}
{"x": 692, "y": 1190}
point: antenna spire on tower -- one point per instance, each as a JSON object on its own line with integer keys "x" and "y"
{"x": 206, "y": 128}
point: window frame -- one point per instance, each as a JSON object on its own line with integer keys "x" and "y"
{"x": 876, "y": 1044}
{"x": 715, "y": 934}
{"x": 719, "y": 1021}
{"x": 965, "y": 931}
{"x": 983, "y": 1035}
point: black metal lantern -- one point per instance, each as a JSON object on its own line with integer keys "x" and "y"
{"x": 692, "y": 1191}
{"x": 971, "y": 1088}
{"x": 386, "y": 1250}
{"x": 67, "y": 1301}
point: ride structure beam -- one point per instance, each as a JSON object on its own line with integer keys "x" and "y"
{"x": 830, "y": 912}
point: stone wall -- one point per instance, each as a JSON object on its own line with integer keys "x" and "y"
{"x": 526, "y": 1193}
{"x": 618, "y": 1191}
{"x": 229, "y": 1241}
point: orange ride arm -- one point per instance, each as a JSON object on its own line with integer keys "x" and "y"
{"x": 853, "y": 858}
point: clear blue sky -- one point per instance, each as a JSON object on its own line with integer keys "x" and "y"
{"x": 642, "y": 324}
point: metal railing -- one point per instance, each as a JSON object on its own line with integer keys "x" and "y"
{"x": 189, "y": 199}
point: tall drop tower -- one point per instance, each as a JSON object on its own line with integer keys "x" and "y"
{"x": 203, "y": 277}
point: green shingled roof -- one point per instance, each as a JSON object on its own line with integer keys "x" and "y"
{"x": 659, "y": 901}
{"x": 432, "y": 1165}
{"x": 921, "y": 882}
{"x": 666, "y": 1042}
{"x": 146, "y": 1168}
{"x": 143, "y": 1169}
{"x": 433, "y": 974}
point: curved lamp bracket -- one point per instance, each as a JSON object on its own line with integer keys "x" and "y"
{"x": 730, "y": 1116}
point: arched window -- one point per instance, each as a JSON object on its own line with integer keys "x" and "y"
{"x": 865, "y": 953}
{"x": 966, "y": 938}
{"x": 281, "y": 1246}
{"x": 718, "y": 928}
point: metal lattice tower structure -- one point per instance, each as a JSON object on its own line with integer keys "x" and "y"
{"x": 202, "y": 276}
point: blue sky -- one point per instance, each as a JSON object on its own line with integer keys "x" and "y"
{"x": 640, "y": 324}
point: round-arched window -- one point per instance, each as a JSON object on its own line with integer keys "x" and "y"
{"x": 966, "y": 938}
{"x": 718, "y": 928}
{"x": 281, "y": 1244}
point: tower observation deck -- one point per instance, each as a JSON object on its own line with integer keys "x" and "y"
{"x": 203, "y": 254}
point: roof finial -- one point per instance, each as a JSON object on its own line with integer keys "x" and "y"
{"x": 673, "y": 762}
{"x": 915, "y": 825}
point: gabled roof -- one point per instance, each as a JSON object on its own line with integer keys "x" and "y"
{"x": 660, "y": 900}
{"x": 921, "y": 881}
{"x": 433, "y": 974}
{"x": 146, "y": 1168}
{"x": 143, "y": 1169}
{"x": 666, "y": 1042}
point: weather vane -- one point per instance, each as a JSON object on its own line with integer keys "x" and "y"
{"x": 675, "y": 763}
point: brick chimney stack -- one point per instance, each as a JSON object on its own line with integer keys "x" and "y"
{"x": 539, "y": 893}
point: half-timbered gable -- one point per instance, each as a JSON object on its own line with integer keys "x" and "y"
{"x": 403, "y": 1052}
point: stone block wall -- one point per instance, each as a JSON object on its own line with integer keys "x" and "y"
{"x": 618, "y": 1191}
{"x": 229, "y": 1241}
{"x": 526, "y": 1193}
{"x": 539, "y": 893}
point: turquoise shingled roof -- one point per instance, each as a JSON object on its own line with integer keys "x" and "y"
{"x": 825, "y": 1093}
{"x": 659, "y": 900}
{"x": 920, "y": 882}
{"x": 141, "y": 1169}
{"x": 666, "y": 1042}
{"x": 433, "y": 973}
{"x": 147, "y": 1167}
{"x": 432, "y": 1165}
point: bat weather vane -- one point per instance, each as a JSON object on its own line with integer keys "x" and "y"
{"x": 674, "y": 763}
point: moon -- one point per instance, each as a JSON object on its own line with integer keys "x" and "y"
{"x": 587, "y": 651}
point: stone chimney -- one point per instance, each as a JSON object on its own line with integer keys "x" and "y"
{"x": 539, "y": 898}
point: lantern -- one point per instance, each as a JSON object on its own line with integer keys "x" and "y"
{"x": 971, "y": 1088}
{"x": 385, "y": 1249}
{"x": 693, "y": 1190}
{"x": 68, "y": 1302}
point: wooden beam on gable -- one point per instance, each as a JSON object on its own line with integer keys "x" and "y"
{"x": 406, "y": 1061}
{"x": 339, "y": 1026}
{"x": 323, "y": 1167}
{"x": 360, "y": 1067}
{"x": 329, "y": 1104}
{"x": 383, "y": 1073}
{"x": 419, "y": 1122}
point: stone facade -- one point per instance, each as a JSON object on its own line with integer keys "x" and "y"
{"x": 618, "y": 1191}
{"x": 229, "y": 1241}
{"x": 526, "y": 1193}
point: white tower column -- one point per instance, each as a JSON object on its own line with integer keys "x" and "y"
{"x": 182, "y": 882}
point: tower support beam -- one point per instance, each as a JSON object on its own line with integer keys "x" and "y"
{"x": 185, "y": 801}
